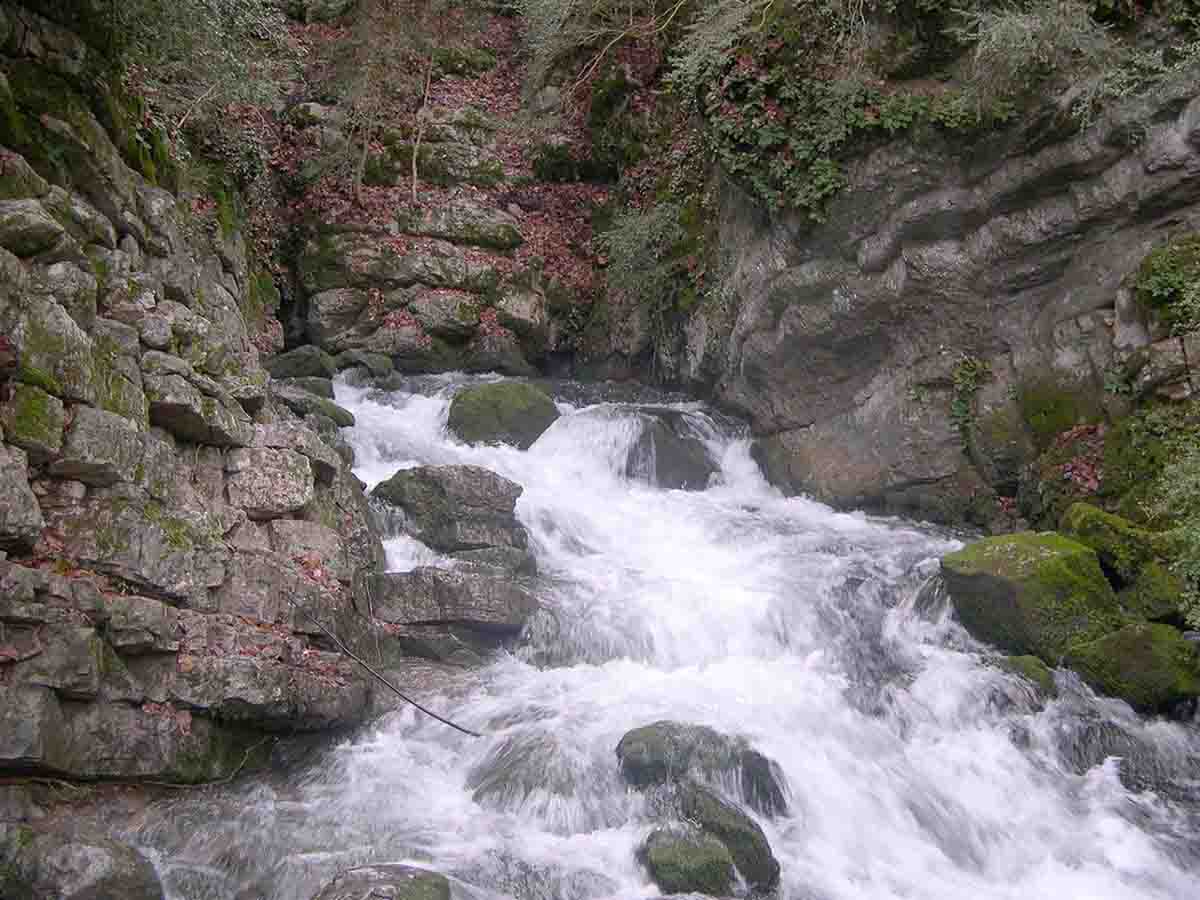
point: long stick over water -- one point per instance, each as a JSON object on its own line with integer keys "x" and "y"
{"x": 395, "y": 690}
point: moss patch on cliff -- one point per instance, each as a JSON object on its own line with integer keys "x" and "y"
{"x": 1168, "y": 283}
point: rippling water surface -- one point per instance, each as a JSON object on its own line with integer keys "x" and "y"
{"x": 916, "y": 769}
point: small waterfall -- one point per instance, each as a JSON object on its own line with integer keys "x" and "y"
{"x": 917, "y": 768}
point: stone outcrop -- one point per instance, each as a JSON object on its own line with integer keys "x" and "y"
{"x": 171, "y": 521}
{"x": 850, "y": 344}
{"x": 436, "y": 290}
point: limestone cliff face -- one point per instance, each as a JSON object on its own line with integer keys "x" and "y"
{"x": 162, "y": 514}
{"x": 904, "y": 354}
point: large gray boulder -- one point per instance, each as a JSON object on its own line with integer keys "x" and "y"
{"x": 387, "y": 882}
{"x": 35, "y": 864}
{"x": 509, "y": 412}
{"x": 453, "y": 508}
{"x": 668, "y": 751}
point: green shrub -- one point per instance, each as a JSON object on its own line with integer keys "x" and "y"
{"x": 1018, "y": 47}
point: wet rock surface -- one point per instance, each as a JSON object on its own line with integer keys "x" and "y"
{"x": 670, "y": 452}
{"x": 36, "y": 864}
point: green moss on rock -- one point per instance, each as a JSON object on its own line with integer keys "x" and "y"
{"x": 685, "y": 861}
{"x": 1031, "y": 593}
{"x": 1033, "y": 670}
{"x": 1122, "y": 547}
{"x": 33, "y": 420}
{"x": 1050, "y": 407}
{"x": 1156, "y": 595}
{"x": 506, "y": 413}
{"x": 743, "y": 837}
{"x": 1150, "y": 666}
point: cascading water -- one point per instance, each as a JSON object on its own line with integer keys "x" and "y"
{"x": 916, "y": 769}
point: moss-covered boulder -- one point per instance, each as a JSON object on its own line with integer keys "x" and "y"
{"x": 1123, "y": 548}
{"x": 1031, "y": 593}
{"x": 396, "y": 882}
{"x": 1155, "y": 595}
{"x": 1152, "y": 667}
{"x": 1033, "y": 670}
{"x": 685, "y": 861}
{"x": 506, "y": 413}
{"x": 743, "y": 837}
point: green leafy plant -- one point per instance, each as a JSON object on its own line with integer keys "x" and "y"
{"x": 1018, "y": 47}
{"x": 968, "y": 377}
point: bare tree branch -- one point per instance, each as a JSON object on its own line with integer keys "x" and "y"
{"x": 395, "y": 690}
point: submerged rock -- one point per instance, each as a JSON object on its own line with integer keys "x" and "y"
{"x": 482, "y": 600}
{"x": 505, "y": 413}
{"x": 686, "y": 860}
{"x": 387, "y": 882}
{"x": 668, "y": 453}
{"x": 668, "y": 751}
{"x": 1033, "y": 670}
{"x": 1031, "y": 593}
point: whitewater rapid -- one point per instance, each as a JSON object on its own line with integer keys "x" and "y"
{"x": 916, "y": 768}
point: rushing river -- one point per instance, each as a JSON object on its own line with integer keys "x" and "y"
{"x": 916, "y": 768}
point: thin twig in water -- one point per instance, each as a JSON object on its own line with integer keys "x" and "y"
{"x": 374, "y": 674}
